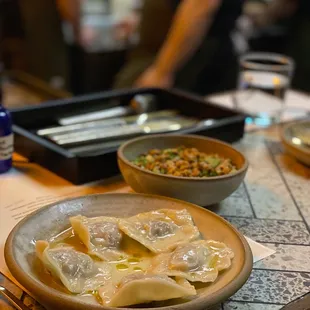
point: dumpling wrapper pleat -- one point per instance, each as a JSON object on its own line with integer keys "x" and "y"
{"x": 100, "y": 235}
{"x": 76, "y": 270}
{"x": 161, "y": 230}
{"x": 199, "y": 261}
{"x": 140, "y": 288}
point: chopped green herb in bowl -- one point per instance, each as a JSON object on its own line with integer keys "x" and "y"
{"x": 185, "y": 162}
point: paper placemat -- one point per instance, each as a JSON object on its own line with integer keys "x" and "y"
{"x": 259, "y": 251}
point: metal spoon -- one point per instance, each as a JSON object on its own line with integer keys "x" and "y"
{"x": 96, "y": 147}
{"x": 125, "y": 131}
{"x": 152, "y": 127}
{"x": 111, "y": 122}
{"x": 139, "y": 104}
{"x": 124, "y": 128}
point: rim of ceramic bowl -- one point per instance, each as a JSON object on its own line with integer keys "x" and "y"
{"x": 42, "y": 290}
{"x": 121, "y": 156}
{"x": 284, "y": 134}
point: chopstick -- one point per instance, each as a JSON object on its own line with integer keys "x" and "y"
{"x": 12, "y": 299}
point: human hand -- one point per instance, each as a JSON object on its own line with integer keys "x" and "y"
{"x": 152, "y": 77}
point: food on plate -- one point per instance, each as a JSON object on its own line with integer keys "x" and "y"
{"x": 100, "y": 235}
{"x": 143, "y": 288}
{"x": 160, "y": 230}
{"x": 76, "y": 270}
{"x": 197, "y": 261}
{"x": 152, "y": 256}
{"x": 185, "y": 162}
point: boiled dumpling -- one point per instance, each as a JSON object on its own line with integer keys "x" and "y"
{"x": 197, "y": 261}
{"x": 76, "y": 270}
{"x": 160, "y": 230}
{"x": 143, "y": 288}
{"x": 100, "y": 235}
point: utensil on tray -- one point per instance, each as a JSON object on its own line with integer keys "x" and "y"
{"x": 123, "y": 131}
{"x": 98, "y": 148}
{"x": 139, "y": 104}
{"x": 93, "y": 149}
{"x": 112, "y": 122}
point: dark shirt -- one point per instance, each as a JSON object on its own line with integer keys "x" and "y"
{"x": 304, "y": 8}
{"x": 225, "y": 18}
{"x": 157, "y": 16}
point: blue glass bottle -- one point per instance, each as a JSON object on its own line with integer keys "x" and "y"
{"x": 6, "y": 138}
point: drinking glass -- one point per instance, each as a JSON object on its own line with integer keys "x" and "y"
{"x": 263, "y": 81}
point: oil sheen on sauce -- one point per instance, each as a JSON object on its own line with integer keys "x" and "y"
{"x": 139, "y": 259}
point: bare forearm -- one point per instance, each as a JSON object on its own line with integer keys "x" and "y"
{"x": 191, "y": 23}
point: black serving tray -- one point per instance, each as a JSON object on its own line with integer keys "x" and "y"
{"x": 82, "y": 169}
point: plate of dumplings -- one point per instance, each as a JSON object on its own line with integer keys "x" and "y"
{"x": 125, "y": 251}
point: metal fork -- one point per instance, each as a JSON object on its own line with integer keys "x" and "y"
{"x": 12, "y": 299}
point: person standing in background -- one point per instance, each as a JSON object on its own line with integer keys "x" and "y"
{"x": 85, "y": 31}
{"x": 184, "y": 44}
{"x": 95, "y": 32}
{"x": 297, "y": 13}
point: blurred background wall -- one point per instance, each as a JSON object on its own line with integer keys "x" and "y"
{"x": 82, "y": 51}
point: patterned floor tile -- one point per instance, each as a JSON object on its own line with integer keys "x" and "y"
{"x": 273, "y": 231}
{"x": 277, "y": 287}
{"x": 287, "y": 257}
{"x": 268, "y": 193}
{"x": 235, "y": 205}
{"x": 250, "y": 306}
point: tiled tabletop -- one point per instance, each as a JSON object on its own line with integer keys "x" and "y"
{"x": 272, "y": 207}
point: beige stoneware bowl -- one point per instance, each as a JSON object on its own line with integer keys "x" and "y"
{"x": 48, "y": 221}
{"x": 201, "y": 191}
{"x": 295, "y": 138}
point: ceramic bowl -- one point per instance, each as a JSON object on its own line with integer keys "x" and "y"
{"x": 53, "y": 219}
{"x": 201, "y": 191}
{"x": 296, "y": 140}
